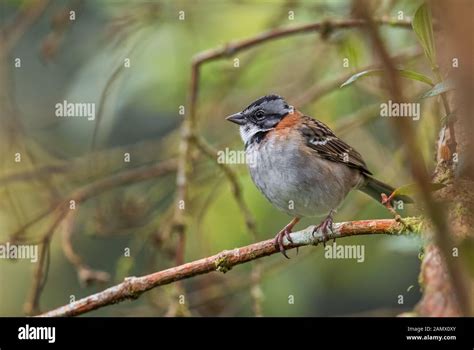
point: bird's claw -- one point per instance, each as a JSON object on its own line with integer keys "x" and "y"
{"x": 325, "y": 226}
{"x": 285, "y": 232}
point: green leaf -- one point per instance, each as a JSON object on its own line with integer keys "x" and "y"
{"x": 410, "y": 189}
{"x": 422, "y": 25}
{"x": 438, "y": 89}
{"x": 415, "y": 76}
{"x": 403, "y": 72}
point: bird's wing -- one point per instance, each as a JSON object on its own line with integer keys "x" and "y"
{"x": 321, "y": 139}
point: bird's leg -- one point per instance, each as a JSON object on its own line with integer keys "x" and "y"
{"x": 285, "y": 232}
{"x": 326, "y": 227}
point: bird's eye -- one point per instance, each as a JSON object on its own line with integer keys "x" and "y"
{"x": 259, "y": 114}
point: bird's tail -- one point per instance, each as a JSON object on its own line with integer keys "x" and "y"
{"x": 375, "y": 188}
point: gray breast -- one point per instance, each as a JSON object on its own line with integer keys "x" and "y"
{"x": 296, "y": 181}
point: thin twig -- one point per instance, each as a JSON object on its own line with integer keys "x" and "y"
{"x": 32, "y": 306}
{"x": 78, "y": 164}
{"x": 122, "y": 178}
{"x": 111, "y": 81}
{"x": 85, "y": 274}
{"x": 328, "y": 25}
{"x": 232, "y": 177}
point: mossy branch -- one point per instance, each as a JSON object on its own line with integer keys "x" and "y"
{"x": 224, "y": 261}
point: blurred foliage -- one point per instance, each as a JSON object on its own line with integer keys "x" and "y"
{"x": 141, "y": 116}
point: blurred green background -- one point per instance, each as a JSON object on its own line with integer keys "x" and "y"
{"x": 79, "y": 60}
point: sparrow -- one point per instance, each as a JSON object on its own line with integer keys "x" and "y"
{"x": 300, "y": 165}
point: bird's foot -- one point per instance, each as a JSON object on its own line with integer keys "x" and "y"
{"x": 285, "y": 232}
{"x": 325, "y": 226}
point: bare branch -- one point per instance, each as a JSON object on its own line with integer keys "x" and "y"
{"x": 327, "y": 26}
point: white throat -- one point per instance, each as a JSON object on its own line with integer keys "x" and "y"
{"x": 248, "y": 130}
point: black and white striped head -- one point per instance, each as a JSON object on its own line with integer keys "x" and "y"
{"x": 260, "y": 116}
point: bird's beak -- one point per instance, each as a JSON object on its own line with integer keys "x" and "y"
{"x": 237, "y": 118}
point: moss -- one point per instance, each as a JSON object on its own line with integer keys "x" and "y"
{"x": 222, "y": 264}
{"x": 444, "y": 177}
{"x": 421, "y": 253}
{"x": 460, "y": 211}
{"x": 132, "y": 293}
{"x": 416, "y": 224}
{"x": 444, "y": 173}
{"x": 253, "y": 256}
{"x": 412, "y": 225}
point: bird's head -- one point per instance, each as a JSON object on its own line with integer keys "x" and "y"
{"x": 260, "y": 116}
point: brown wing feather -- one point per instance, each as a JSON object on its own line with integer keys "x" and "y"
{"x": 321, "y": 139}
